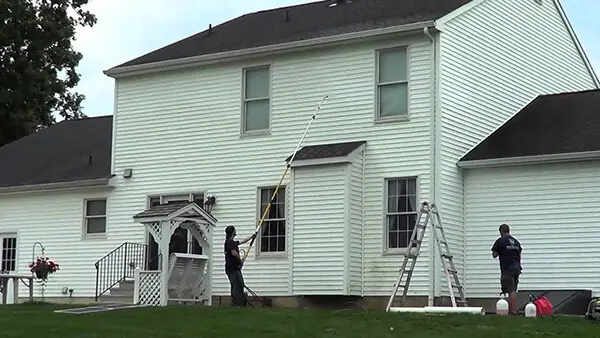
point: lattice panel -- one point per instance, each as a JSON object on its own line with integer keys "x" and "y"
{"x": 149, "y": 292}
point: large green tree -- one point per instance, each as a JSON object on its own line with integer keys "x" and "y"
{"x": 38, "y": 64}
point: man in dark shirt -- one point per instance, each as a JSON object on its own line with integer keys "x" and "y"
{"x": 233, "y": 265}
{"x": 508, "y": 249}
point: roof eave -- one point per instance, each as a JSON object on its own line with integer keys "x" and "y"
{"x": 524, "y": 160}
{"x": 193, "y": 61}
{"x": 100, "y": 182}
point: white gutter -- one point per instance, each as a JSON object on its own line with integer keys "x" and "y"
{"x": 433, "y": 264}
{"x": 55, "y": 186}
{"x": 537, "y": 159}
{"x": 281, "y": 48}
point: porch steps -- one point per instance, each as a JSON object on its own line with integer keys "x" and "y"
{"x": 121, "y": 293}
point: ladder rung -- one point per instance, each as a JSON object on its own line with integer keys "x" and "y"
{"x": 452, "y": 271}
{"x": 458, "y": 286}
{"x": 448, "y": 256}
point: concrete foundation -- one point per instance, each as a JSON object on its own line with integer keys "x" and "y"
{"x": 565, "y": 302}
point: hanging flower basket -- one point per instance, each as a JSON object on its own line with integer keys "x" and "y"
{"x": 41, "y": 274}
{"x": 42, "y": 267}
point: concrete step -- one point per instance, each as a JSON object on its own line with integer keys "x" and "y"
{"x": 120, "y": 293}
{"x": 125, "y": 285}
{"x": 104, "y": 299}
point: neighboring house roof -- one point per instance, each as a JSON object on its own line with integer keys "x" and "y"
{"x": 301, "y": 22}
{"x": 323, "y": 151}
{"x": 561, "y": 123}
{"x": 75, "y": 150}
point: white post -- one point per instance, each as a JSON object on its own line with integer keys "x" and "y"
{"x": 136, "y": 286}
{"x": 209, "y": 265}
{"x": 164, "y": 249}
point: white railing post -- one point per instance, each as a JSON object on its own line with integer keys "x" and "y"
{"x": 136, "y": 286}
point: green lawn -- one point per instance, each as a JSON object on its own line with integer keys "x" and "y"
{"x": 30, "y": 320}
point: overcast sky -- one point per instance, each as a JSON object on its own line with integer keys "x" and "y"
{"x": 130, "y": 28}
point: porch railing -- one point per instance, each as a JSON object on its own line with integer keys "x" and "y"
{"x": 118, "y": 265}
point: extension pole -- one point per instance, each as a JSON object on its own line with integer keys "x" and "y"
{"x": 287, "y": 168}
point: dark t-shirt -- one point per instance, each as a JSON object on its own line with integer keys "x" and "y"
{"x": 509, "y": 253}
{"x": 231, "y": 263}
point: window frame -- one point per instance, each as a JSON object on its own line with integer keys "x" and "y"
{"x": 396, "y": 118}
{"x": 244, "y": 100}
{"x": 86, "y": 217}
{"x": 386, "y": 233}
{"x": 10, "y": 234}
{"x": 276, "y": 254}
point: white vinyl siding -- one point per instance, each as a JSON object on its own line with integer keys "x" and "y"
{"x": 495, "y": 59}
{"x": 356, "y": 223}
{"x": 552, "y": 210}
{"x": 392, "y": 84}
{"x": 95, "y": 216}
{"x": 212, "y": 157}
{"x": 257, "y": 103}
{"x": 319, "y": 230}
{"x": 56, "y": 223}
{"x": 272, "y": 237}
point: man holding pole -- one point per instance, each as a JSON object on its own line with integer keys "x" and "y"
{"x": 233, "y": 265}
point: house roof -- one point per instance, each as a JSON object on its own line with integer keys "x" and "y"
{"x": 171, "y": 208}
{"x": 322, "y": 151}
{"x": 301, "y": 22}
{"x": 75, "y": 150}
{"x": 163, "y": 209}
{"x": 551, "y": 124}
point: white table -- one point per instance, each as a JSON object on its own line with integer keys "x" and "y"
{"x": 4, "y": 278}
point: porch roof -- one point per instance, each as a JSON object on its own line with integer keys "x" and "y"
{"x": 172, "y": 210}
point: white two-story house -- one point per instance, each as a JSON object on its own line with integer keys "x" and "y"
{"x": 412, "y": 87}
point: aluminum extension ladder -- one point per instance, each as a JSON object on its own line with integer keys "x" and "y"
{"x": 431, "y": 215}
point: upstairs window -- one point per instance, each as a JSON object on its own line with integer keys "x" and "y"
{"x": 392, "y": 84}
{"x": 257, "y": 102}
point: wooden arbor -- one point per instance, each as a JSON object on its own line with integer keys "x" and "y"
{"x": 152, "y": 287}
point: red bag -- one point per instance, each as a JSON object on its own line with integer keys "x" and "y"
{"x": 543, "y": 305}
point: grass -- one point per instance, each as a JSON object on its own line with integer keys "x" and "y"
{"x": 35, "y": 319}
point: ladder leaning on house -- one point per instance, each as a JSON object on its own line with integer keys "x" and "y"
{"x": 428, "y": 213}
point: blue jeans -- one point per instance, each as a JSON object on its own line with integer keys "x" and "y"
{"x": 237, "y": 287}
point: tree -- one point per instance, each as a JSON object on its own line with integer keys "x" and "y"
{"x": 37, "y": 64}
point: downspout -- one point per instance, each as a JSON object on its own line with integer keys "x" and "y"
{"x": 433, "y": 137}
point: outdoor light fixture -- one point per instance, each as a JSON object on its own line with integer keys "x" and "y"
{"x": 127, "y": 173}
{"x": 209, "y": 203}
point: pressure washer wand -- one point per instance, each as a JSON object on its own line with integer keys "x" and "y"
{"x": 287, "y": 168}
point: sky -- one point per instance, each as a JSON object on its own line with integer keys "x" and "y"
{"x": 127, "y": 29}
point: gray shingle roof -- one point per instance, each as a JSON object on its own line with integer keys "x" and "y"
{"x": 301, "y": 22}
{"x": 68, "y": 151}
{"x": 550, "y": 124}
{"x": 321, "y": 151}
{"x": 163, "y": 209}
